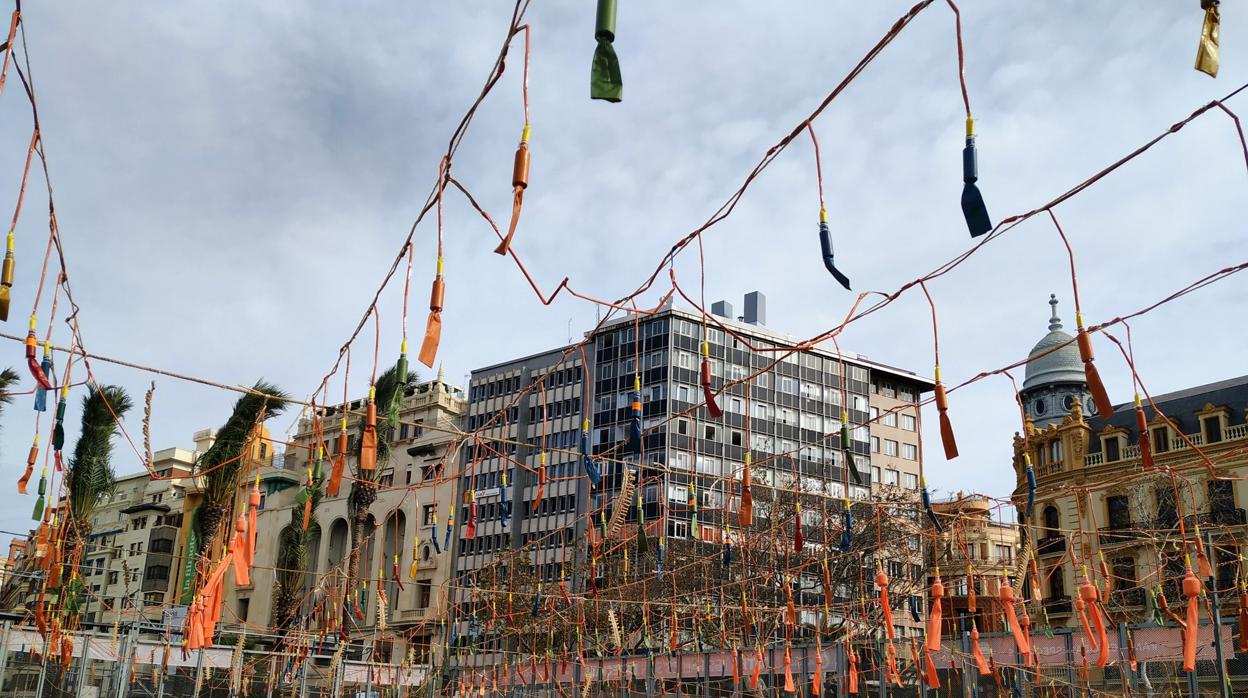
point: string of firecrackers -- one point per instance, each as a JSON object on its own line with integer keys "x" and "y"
{"x": 969, "y": 145}
{"x": 970, "y": 159}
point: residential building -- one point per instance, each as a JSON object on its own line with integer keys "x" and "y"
{"x": 976, "y": 552}
{"x": 415, "y": 492}
{"x": 1100, "y": 503}
{"x": 128, "y": 563}
{"x": 783, "y": 407}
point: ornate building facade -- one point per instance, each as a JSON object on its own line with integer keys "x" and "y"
{"x": 1104, "y": 510}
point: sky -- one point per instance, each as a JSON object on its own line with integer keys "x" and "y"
{"x": 233, "y": 181}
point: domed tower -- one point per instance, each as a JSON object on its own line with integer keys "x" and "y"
{"x": 1054, "y": 380}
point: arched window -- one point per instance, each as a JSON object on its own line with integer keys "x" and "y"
{"x": 1052, "y": 521}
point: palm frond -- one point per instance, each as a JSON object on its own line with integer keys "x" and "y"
{"x": 221, "y": 462}
{"x": 90, "y": 467}
{"x": 8, "y": 379}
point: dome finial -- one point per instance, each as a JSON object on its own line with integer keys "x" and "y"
{"x": 1055, "y": 322}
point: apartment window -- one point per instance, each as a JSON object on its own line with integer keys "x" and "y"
{"x": 677, "y": 529}
{"x": 426, "y": 515}
{"x": 244, "y": 606}
{"x": 1112, "y": 447}
{"x": 158, "y": 573}
{"x": 1052, "y": 521}
{"x": 424, "y": 593}
{"x": 912, "y": 481}
{"x": 709, "y": 433}
{"x": 1167, "y": 510}
{"x": 736, "y": 406}
{"x": 907, "y": 422}
{"x": 1213, "y": 428}
{"x": 788, "y": 385}
{"x": 1005, "y": 553}
{"x": 875, "y": 473}
{"x": 1161, "y": 439}
{"x": 1119, "y": 510}
{"x": 875, "y": 444}
{"x": 112, "y": 577}
{"x": 891, "y": 477}
{"x": 682, "y": 426}
{"x": 889, "y": 419}
{"x": 1057, "y": 583}
{"x": 1124, "y": 572}
{"x": 736, "y": 438}
{"x": 909, "y": 451}
{"x": 709, "y": 465}
{"x": 1055, "y": 451}
{"x": 264, "y": 451}
{"x": 1221, "y": 496}
{"x": 680, "y": 460}
{"x": 890, "y": 447}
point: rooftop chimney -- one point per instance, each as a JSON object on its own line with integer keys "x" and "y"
{"x": 755, "y": 308}
{"x": 722, "y": 309}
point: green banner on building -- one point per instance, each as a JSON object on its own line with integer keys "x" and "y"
{"x": 191, "y": 552}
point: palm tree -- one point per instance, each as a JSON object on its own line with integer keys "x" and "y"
{"x": 90, "y": 470}
{"x": 390, "y": 390}
{"x": 89, "y": 474}
{"x": 292, "y": 557}
{"x": 221, "y": 464}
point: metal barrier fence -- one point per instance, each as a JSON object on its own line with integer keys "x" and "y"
{"x": 135, "y": 666}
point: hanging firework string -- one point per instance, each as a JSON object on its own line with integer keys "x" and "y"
{"x": 605, "y": 81}
{"x": 942, "y": 407}
{"x": 548, "y": 673}
{"x": 7, "y": 268}
{"x": 825, "y": 236}
{"x": 520, "y": 166}
{"x": 1104, "y": 407}
{"x": 973, "y": 208}
{"x": 433, "y": 326}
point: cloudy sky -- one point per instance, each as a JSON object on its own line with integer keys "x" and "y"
{"x": 233, "y": 181}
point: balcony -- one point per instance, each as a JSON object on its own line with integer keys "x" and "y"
{"x": 1228, "y": 516}
{"x": 1127, "y": 597}
{"x": 1051, "y": 545}
{"x": 1057, "y": 605}
{"x": 1119, "y": 534}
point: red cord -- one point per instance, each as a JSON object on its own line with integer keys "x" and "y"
{"x": 818, "y": 163}
{"x": 407, "y": 285}
{"x": 957, "y": 23}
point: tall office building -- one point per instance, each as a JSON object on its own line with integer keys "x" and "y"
{"x": 530, "y": 411}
